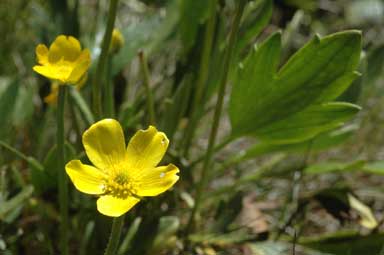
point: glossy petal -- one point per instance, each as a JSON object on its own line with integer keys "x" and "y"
{"x": 49, "y": 72}
{"x": 42, "y": 54}
{"x": 64, "y": 47}
{"x": 104, "y": 144}
{"x": 146, "y": 148}
{"x": 155, "y": 181}
{"x": 80, "y": 67}
{"x": 87, "y": 179}
{"x": 115, "y": 207}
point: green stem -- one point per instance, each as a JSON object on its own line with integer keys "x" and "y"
{"x": 216, "y": 118}
{"x": 202, "y": 79}
{"x": 217, "y": 148}
{"x": 80, "y": 103}
{"x": 115, "y": 235}
{"x": 109, "y": 102}
{"x": 150, "y": 103}
{"x": 14, "y": 151}
{"x": 62, "y": 178}
{"x": 31, "y": 160}
{"x": 97, "y": 105}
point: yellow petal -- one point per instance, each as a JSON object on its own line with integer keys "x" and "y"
{"x": 146, "y": 148}
{"x": 155, "y": 181}
{"x": 49, "y": 72}
{"x": 115, "y": 207}
{"x": 64, "y": 47}
{"x": 80, "y": 67}
{"x": 51, "y": 98}
{"x": 42, "y": 54}
{"x": 104, "y": 144}
{"x": 87, "y": 179}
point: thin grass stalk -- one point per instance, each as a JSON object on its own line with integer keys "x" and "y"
{"x": 218, "y": 109}
{"x": 202, "y": 79}
{"x": 114, "y": 238}
{"x": 99, "y": 74}
{"x": 148, "y": 92}
{"x": 62, "y": 178}
{"x": 109, "y": 91}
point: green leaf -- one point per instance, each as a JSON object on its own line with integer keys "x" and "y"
{"x": 259, "y": 16}
{"x": 166, "y": 234}
{"x": 322, "y": 141}
{"x": 127, "y": 241}
{"x": 375, "y": 64}
{"x": 375, "y": 167}
{"x": 350, "y": 243}
{"x": 193, "y": 13}
{"x": 251, "y": 81}
{"x": 326, "y": 167}
{"x": 308, "y": 123}
{"x": 260, "y": 96}
{"x": 337, "y": 87}
{"x": 176, "y": 107}
{"x": 8, "y": 93}
{"x": 13, "y": 203}
{"x": 367, "y": 219}
{"x": 46, "y": 178}
{"x": 24, "y": 107}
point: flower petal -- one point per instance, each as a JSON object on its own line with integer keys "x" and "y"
{"x": 42, "y": 54}
{"x": 64, "y": 47}
{"x": 146, "y": 148}
{"x": 87, "y": 179}
{"x": 80, "y": 67}
{"x": 104, "y": 144}
{"x": 155, "y": 181}
{"x": 115, "y": 207}
{"x": 50, "y": 72}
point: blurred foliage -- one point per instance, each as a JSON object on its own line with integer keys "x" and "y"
{"x": 301, "y": 133}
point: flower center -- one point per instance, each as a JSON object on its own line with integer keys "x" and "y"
{"x": 119, "y": 185}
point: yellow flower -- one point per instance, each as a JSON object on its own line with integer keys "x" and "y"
{"x": 64, "y": 61}
{"x": 51, "y": 98}
{"x": 122, "y": 175}
{"x": 117, "y": 41}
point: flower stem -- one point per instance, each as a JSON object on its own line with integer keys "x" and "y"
{"x": 96, "y": 92}
{"x": 148, "y": 92}
{"x": 109, "y": 102}
{"x": 62, "y": 178}
{"x": 218, "y": 109}
{"x": 202, "y": 78}
{"x": 115, "y": 235}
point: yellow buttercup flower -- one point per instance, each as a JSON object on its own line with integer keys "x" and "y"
{"x": 122, "y": 175}
{"x": 51, "y": 98}
{"x": 117, "y": 41}
{"x": 64, "y": 61}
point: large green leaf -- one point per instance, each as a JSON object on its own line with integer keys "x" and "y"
{"x": 322, "y": 141}
{"x": 308, "y": 123}
{"x": 260, "y": 96}
{"x": 259, "y": 15}
{"x": 193, "y": 13}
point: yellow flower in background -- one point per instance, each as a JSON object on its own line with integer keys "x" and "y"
{"x": 117, "y": 41}
{"x": 64, "y": 61}
{"x": 122, "y": 175}
{"x": 51, "y": 98}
